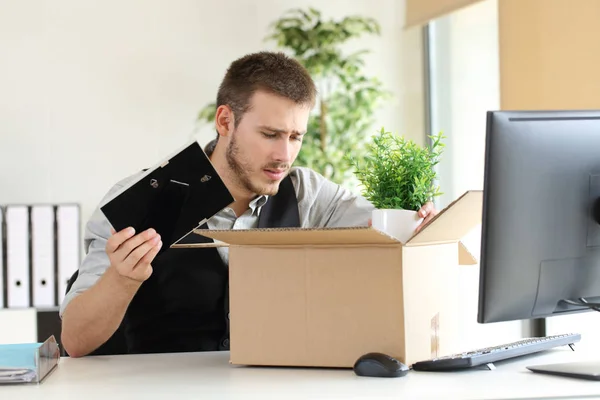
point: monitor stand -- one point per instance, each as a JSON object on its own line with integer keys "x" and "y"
{"x": 581, "y": 370}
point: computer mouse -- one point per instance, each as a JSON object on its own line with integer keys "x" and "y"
{"x": 379, "y": 365}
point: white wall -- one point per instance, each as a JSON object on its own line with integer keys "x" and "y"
{"x": 93, "y": 91}
{"x": 465, "y": 84}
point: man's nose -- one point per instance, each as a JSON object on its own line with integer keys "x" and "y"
{"x": 283, "y": 150}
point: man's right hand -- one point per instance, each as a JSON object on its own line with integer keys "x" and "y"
{"x": 93, "y": 316}
{"x": 131, "y": 256}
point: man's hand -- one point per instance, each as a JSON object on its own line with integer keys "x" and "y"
{"x": 93, "y": 316}
{"x": 427, "y": 212}
{"x": 131, "y": 255}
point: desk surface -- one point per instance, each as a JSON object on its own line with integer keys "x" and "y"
{"x": 209, "y": 375}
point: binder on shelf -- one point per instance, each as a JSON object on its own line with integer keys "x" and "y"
{"x": 67, "y": 245}
{"x": 3, "y": 293}
{"x": 17, "y": 256}
{"x": 42, "y": 252}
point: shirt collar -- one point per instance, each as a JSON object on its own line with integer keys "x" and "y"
{"x": 257, "y": 203}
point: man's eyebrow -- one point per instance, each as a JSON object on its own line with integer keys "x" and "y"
{"x": 279, "y": 131}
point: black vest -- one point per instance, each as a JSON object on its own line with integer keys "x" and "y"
{"x": 184, "y": 305}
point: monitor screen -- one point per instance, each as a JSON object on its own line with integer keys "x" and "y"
{"x": 540, "y": 242}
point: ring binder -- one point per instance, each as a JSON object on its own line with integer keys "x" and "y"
{"x": 17, "y": 256}
{"x": 43, "y": 278}
{"x": 40, "y": 248}
{"x": 68, "y": 245}
{"x": 3, "y": 269}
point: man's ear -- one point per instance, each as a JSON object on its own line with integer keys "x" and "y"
{"x": 224, "y": 120}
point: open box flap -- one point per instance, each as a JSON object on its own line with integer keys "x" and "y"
{"x": 216, "y": 243}
{"x": 304, "y": 236}
{"x": 450, "y": 225}
{"x": 465, "y": 257}
{"x": 453, "y": 222}
{"x": 299, "y": 236}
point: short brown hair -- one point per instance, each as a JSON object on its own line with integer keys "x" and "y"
{"x": 272, "y": 72}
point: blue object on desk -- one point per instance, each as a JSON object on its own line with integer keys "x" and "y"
{"x": 28, "y": 362}
{"x": 20, "y": 355}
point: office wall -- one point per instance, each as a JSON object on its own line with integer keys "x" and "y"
{"x": 507, "y": 54}
{"x": 95, "y": 91}
{"x": 465, "y": 83}
{"x": 465, "y": 79}
{"x": 92, "y": 91}
{"x": 420, "y": 12}
{"x": 549, "y": 59}
{"x": 549, "y": 54}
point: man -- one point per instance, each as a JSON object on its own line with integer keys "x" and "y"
{"x": 178, "y": 301}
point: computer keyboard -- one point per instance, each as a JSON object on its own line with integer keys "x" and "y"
{"x": 493, "y": 354}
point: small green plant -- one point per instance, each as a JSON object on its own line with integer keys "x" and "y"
{"x": 397, "y": 173}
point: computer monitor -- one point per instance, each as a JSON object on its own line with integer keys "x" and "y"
{"x": 540, "y": 242}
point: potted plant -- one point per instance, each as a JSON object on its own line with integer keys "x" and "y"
{"x": 398, "y": 177}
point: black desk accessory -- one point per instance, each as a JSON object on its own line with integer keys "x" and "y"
{"x": 174, "y": 197}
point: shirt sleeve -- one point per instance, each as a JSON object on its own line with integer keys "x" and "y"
{"x": 324, "y": 204}
{"x": 96, "y": 261}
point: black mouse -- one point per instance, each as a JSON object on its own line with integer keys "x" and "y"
{"x": 379, "y": 365}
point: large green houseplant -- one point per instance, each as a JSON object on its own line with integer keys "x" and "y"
{"x": 398, "y": 176}
{"x": 348, "y": 98}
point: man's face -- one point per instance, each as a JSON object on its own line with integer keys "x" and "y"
{"x": 263, "y": 147}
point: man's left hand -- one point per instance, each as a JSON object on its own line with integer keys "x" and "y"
{"x": 427, "y": 212}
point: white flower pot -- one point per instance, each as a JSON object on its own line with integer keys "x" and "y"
{"x": 400, "y": 224}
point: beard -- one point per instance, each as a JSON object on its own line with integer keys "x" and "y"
{"x": 243, "y": 171}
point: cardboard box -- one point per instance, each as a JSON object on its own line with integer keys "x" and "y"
{"x": 324, "y": 297}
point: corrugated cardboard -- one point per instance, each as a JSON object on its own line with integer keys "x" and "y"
{"x": 324, "y": 297}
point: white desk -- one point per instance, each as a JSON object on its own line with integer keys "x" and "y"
{"x": 210, "y": 376}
